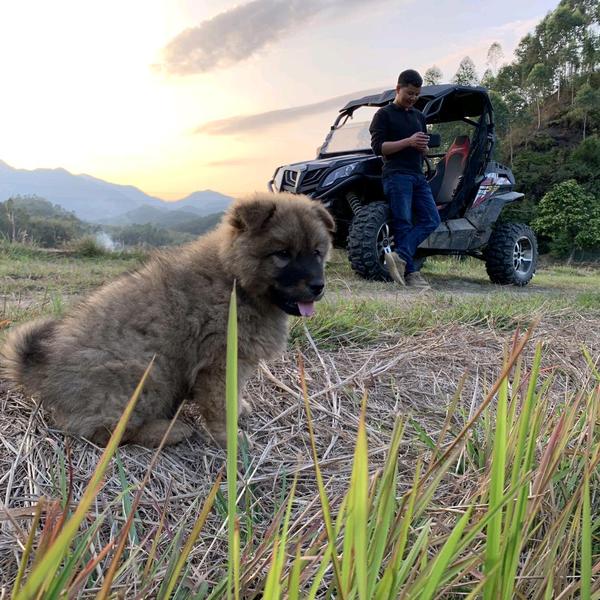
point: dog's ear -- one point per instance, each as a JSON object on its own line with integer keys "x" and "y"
{"x": 251, "y": 214}
{"x": 324, "y": 216}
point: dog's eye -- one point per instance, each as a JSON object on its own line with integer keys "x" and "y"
{"x": 317, "y": 252}
{"x": 283, "y": 254}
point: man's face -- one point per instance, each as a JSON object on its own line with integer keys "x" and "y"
{"x": 407, "y": 95}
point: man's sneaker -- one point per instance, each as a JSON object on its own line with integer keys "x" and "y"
{"x": 416, "y": 280}
{"x": 395, "y": 266}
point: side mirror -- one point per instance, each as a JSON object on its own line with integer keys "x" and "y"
{"x": 435, "y": 140}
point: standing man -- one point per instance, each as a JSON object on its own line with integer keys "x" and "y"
{"x": 399, "y": 135}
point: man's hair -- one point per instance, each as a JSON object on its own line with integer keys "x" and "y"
{"x": 410, "y": 77}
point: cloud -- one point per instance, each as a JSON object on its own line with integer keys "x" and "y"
{"x": 264, "y": 120}
{"x": 238, "y": 33}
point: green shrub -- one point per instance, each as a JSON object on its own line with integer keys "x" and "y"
{"x": 570, "y": 217}
{"x": 88, "y": 247}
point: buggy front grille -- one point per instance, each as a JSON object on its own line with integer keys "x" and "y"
{"x": 309, "y": 180}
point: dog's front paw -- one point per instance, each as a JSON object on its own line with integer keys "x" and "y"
{"x": 220, "y": 438}
{"x": 244, "y": 408}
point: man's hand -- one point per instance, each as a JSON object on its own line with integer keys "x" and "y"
{"x": 419, "y": 141}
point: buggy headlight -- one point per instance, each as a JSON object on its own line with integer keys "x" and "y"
{"x": 340, "y": 172}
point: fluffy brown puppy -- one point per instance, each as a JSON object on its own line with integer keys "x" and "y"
{"x": 85, "y": 366}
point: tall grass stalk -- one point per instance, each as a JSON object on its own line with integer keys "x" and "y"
{"x": 522, "y": 463}
{"x": 198, "y": 525}
{"x": 231, "y": 400}
{"x": 273, "y": 586}
{"x": 321, "y": 487}
{"x": 358, "y": 508}
{"x": 494, "y": 529}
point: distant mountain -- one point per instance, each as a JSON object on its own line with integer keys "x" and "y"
{"x": 162, "y": 216}
{"x": 205, "y": 202}
{"x": 96, "y": 200}
{"x": 199, "y": 225}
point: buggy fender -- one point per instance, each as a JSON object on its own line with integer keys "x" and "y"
{"x": 484, "y": 216}
{"x": 510, "y": 197}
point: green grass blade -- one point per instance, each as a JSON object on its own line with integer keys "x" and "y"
{"x": 423, "y": 435}
{"x": 273, "y": 583}
{"x": 521, "y": 466}
{"x": 392, "y": 575}
{"x": 321, "y": 486}
{"x": 586, "y": 540}
{"x": 71, "y": 578}
{"x": 326, "y": 559}
{"x": 442, "y": 560}
{"x": 324, "y": 564}
{"x": 293, "y": 591}
{"x": 187, "y": 548}
{"x": 409, "y": 564}
{"x": 120, "y": 550}
{"x": 150, "y": 561}
{"x": 407, "y": 518}
{"x": 272, "y": 589}
{"x": 360, "y": 508}
{"x": 231, "y": 401}
{"x": 490, "y": 395}
{"x": 347, "y": 562}
{"x": 494, "y": 530}
{"x": 384, "y": 508}
{"x": 29, "y": 545}
{"x": 591, "y": 364}
{"x": 127, "y": 501}
{"x": 219, "y": 591}
{"x": 172, "y": 554}
{"x": 286, "y": 525}
{"x": 82, "y": 576}
{"x": 236, "y": 559}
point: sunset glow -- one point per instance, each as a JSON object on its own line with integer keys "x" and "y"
{"x": 124, "y": 90}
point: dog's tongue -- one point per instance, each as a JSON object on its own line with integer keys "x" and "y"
{"x": 306, "y": 308}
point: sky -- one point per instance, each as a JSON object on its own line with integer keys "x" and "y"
{"x": 176, "y": 96}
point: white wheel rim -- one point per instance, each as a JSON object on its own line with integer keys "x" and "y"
{"x": 523, "y": 256}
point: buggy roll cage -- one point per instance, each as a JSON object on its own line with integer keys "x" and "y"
{"x": 438, "y": 103}
{"x": 441, "y": 104}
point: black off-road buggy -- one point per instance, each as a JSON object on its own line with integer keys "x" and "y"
{"x": 470, "y": 189}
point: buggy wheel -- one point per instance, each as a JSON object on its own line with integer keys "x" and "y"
{"x": 370, "y": 235}
{"x": 511, "y": 254}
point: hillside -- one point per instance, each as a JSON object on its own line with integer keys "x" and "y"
{"x": 32, "y": 219}
{"x": 556, "y": 150}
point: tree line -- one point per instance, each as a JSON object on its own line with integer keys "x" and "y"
{"x": 34, "y": 220}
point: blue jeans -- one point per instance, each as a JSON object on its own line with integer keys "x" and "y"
{"x": 414, "y": 214}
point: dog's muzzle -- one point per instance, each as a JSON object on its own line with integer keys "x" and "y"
{"x": 303, "y": 306}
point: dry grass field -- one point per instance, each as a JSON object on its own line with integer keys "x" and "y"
{"x": 430, "y": 366}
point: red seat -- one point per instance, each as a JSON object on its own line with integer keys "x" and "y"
{"x": 449, "y": 171}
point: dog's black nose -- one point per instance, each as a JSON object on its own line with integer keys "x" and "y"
{"x": 316, "y": 287}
